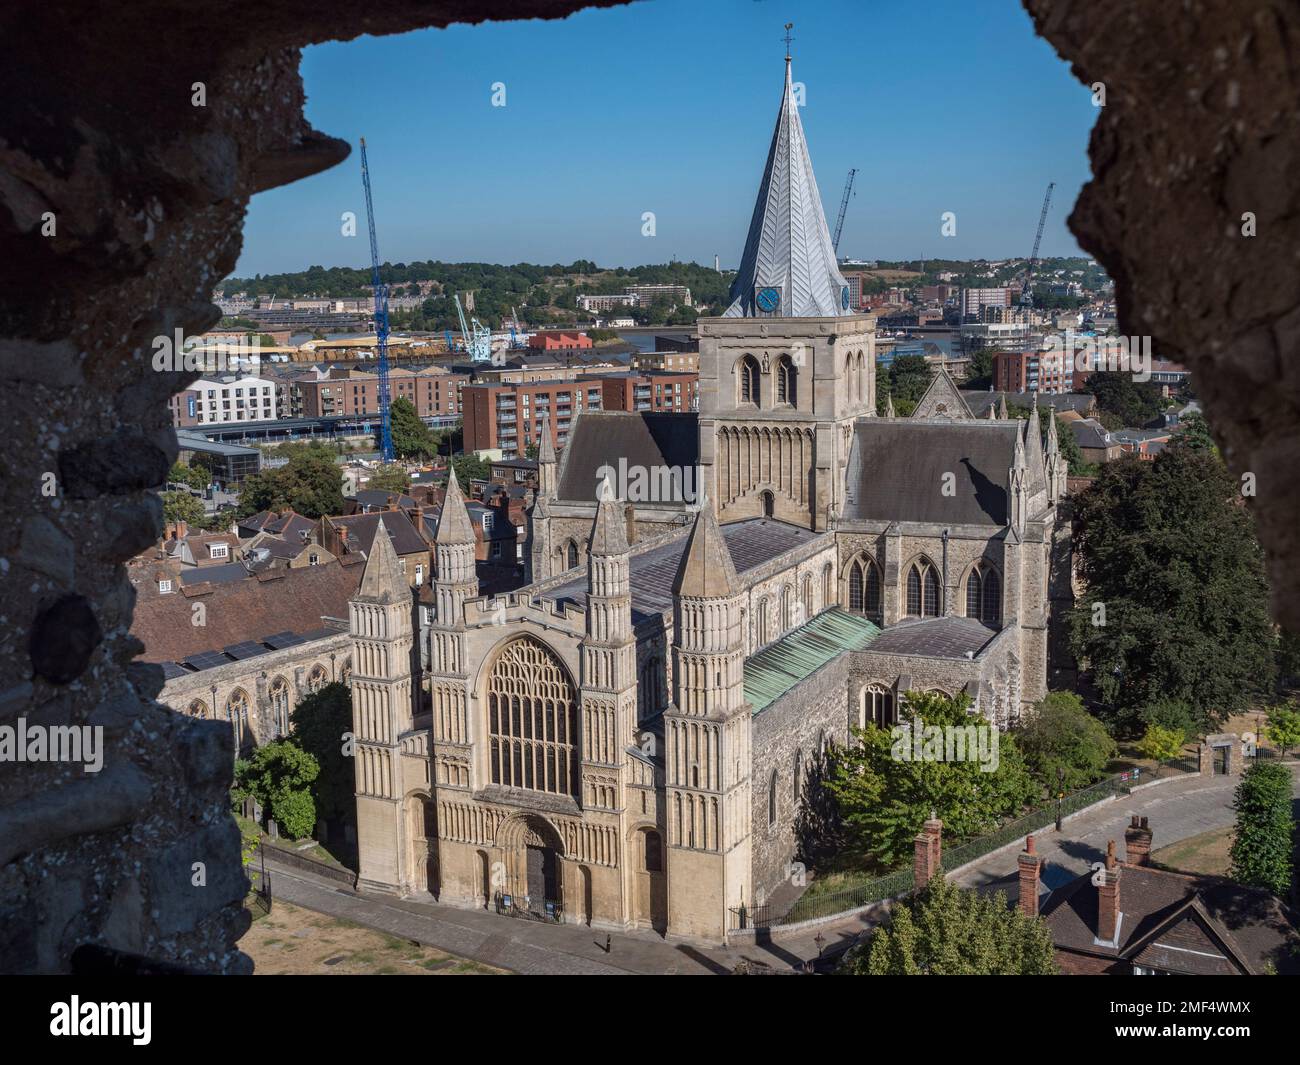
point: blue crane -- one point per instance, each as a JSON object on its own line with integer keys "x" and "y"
{"x": 381, "y": 319}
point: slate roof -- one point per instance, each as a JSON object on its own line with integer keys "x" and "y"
{"x": 949, "y": 637}
{"x": 293, "y": 601}
{"x": 789, "y": 247}
{"x": 286, "y": 524}
{"x": 652, "y": 572}
{"x": 1088, "y": 432}
{"x": 896, "y": 471}
{"x": 378, "y": 499}
{"x": 406, "y": 541}
{"x": 647, "y": 439}
{"x": 1193, "y": 924}
{"x": 798, "y": 654}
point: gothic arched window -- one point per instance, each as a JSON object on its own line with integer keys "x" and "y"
{"x": 876, "y": 706}
{"x": 787, "y": 609}
{"x": 279, "y": 695}
{"x": 787, "y": 382}
{"x": 532, "y": 720}
{"x": 923, "y": 590}
{"x": 806, "y": 596}
{"x": 760, "y": 623}
{"x": 237, "y": 715}
{"x": 198, "y": 708}
{"x": 571, "y": 554}
{"x": 317, "y": 679}
{"x": 828, "y": 586}
{"x": 983, "y": 593}
{"x": 747, "y": 372}
{"x": 769, "y": 504}
{"x": 864, "y": 587}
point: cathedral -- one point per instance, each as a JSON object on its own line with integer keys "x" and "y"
{"x": 625, "y": 741}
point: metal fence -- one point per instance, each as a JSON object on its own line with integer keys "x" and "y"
{"x": 900, "y": 881}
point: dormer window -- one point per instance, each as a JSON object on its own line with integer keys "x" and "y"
{"x": 164, "y": 587}
{"x": 219, "y": 550}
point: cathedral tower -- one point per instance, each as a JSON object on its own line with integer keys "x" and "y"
{"x": 707, "y": 732}
{"x": 382, "y": 709}
{"x": 791, "y": 363}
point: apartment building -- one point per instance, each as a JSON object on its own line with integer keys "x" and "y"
{"x": 434, "y": 392}
{"x": 1032, "y": 371}
{"x": 674, "y": 361}
{"x": 649, "y": 391}
{"x": 974, "y": 300}
{"x": 509, "y": 417}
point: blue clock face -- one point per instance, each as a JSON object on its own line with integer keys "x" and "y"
{"x": 844, "y": 297}
{"x": 769, "y": 299}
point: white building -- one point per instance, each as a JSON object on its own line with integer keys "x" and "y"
{"x": 234, "y": 399}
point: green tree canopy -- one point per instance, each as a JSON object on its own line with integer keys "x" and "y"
{"x": 1176, "y": 605}
{"x": 321, "y": 723}
{"x": 1261, "y": 850}
{"x": 279, "y": 776}
{"x": 194, "y": 476}
{"x": 412, "y": 439}
{"x": 884, "y": 793}
{"x": 181, "y": 506}
{"x": 1063, "y": 744}
{"x": 1134, "y": 403}
{"x": 1283, "y": 729}
{"x": 310, "y": 482}
{"x": 947, "y": 931}
{"x": 390, "y": 478}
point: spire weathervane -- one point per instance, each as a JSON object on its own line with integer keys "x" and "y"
{"x": 788, "y": 27}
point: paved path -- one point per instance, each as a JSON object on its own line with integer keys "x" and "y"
{"x": 1176, "y": 810}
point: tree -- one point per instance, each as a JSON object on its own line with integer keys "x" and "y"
{"x": 884, "y": 794}
{"x": 1133, "y": 402}
{"x": 310, "y": 483}
{"x": 320, "y": 723}
{"x": 1176, "y": 605}
{"x": 390, "y": 478}
{"x": 1194, "y": 431}
{"x": 979, "y": 374}
{"x": 470, "y": 468}
{"x": 181, "y": 506}
{"x": 412, "y": 439}
{"x": 1261, "y": 849}
{"x": 1283, "y": 729}
{"x": 278, "y": 776}
{"x": 1063, "y": 744}
{"x": 1161, "y": 744}
{"x": 909, "y": 377}
{"x": 195, "y": 477}
{"x": 945, "y": 930}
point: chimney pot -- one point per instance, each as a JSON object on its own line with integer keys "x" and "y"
{"x": 1029, "y": 866}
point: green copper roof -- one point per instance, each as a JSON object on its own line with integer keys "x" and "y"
{"x": 800, "y": 653}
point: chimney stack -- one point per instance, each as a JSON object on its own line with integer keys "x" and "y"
{"x": 1137, "y": 842}
{"x": 182, "y": 530}
{"x": 1030, "y": 865}
{"x": 1108, "y": 911}
{"x": 928, "y": 853}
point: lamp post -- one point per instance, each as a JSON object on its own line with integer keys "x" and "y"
{"x": 1060, "y": 794}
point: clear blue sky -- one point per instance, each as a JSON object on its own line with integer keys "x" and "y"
{"x": 668, "y": 106}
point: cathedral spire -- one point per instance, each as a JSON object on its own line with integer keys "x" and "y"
{"x": 382, "y": 580}
{"x": 1002, "y": 407}
{"x": 453, "y": 524}
{"x": 706, "y": 571}
{"x": 788, "y": 268}
{"x": 608, "y": 535}
{"x": 889, "y": 406}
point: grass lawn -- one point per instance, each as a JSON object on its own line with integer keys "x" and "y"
{"x": 1206, "y": 854}
{"x": 293, "y": 940}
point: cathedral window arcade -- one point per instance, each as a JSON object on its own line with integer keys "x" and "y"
{"x": 786, "y": 382}
{"x": 747, "y": 381}
{"x": 864, "y": 587}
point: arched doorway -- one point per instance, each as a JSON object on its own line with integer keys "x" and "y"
{"x": 534, "y": 877}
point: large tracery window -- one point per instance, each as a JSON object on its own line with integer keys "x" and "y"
{"x": 876, "y": 707}
{"x": 984, "y": 593}
{"x": 922, "y": 590}
{"x": 317, "y": 679}
{"x": 532, "y": 720}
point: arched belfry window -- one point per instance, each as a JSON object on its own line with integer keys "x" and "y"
{"x": 984, "y": 593}
{"x": 864, "y": 587}
{"x": 787, "y": 381}
{"x": 571, "y": 554}
{"x": 923, "y": 590}
{"x": 532, "y": 720}
{"x": 862, "y": 378}
{"x": 747, "y": 372}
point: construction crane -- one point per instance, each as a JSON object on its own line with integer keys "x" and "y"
{"x": 844, "y": 206}
{"x": 1027, "y": 293}
{"x": 381, "y": 319}
{"x": 451, "y": 341}
{"x": 478, "y": 337}
{"x": 515, "y": 329}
